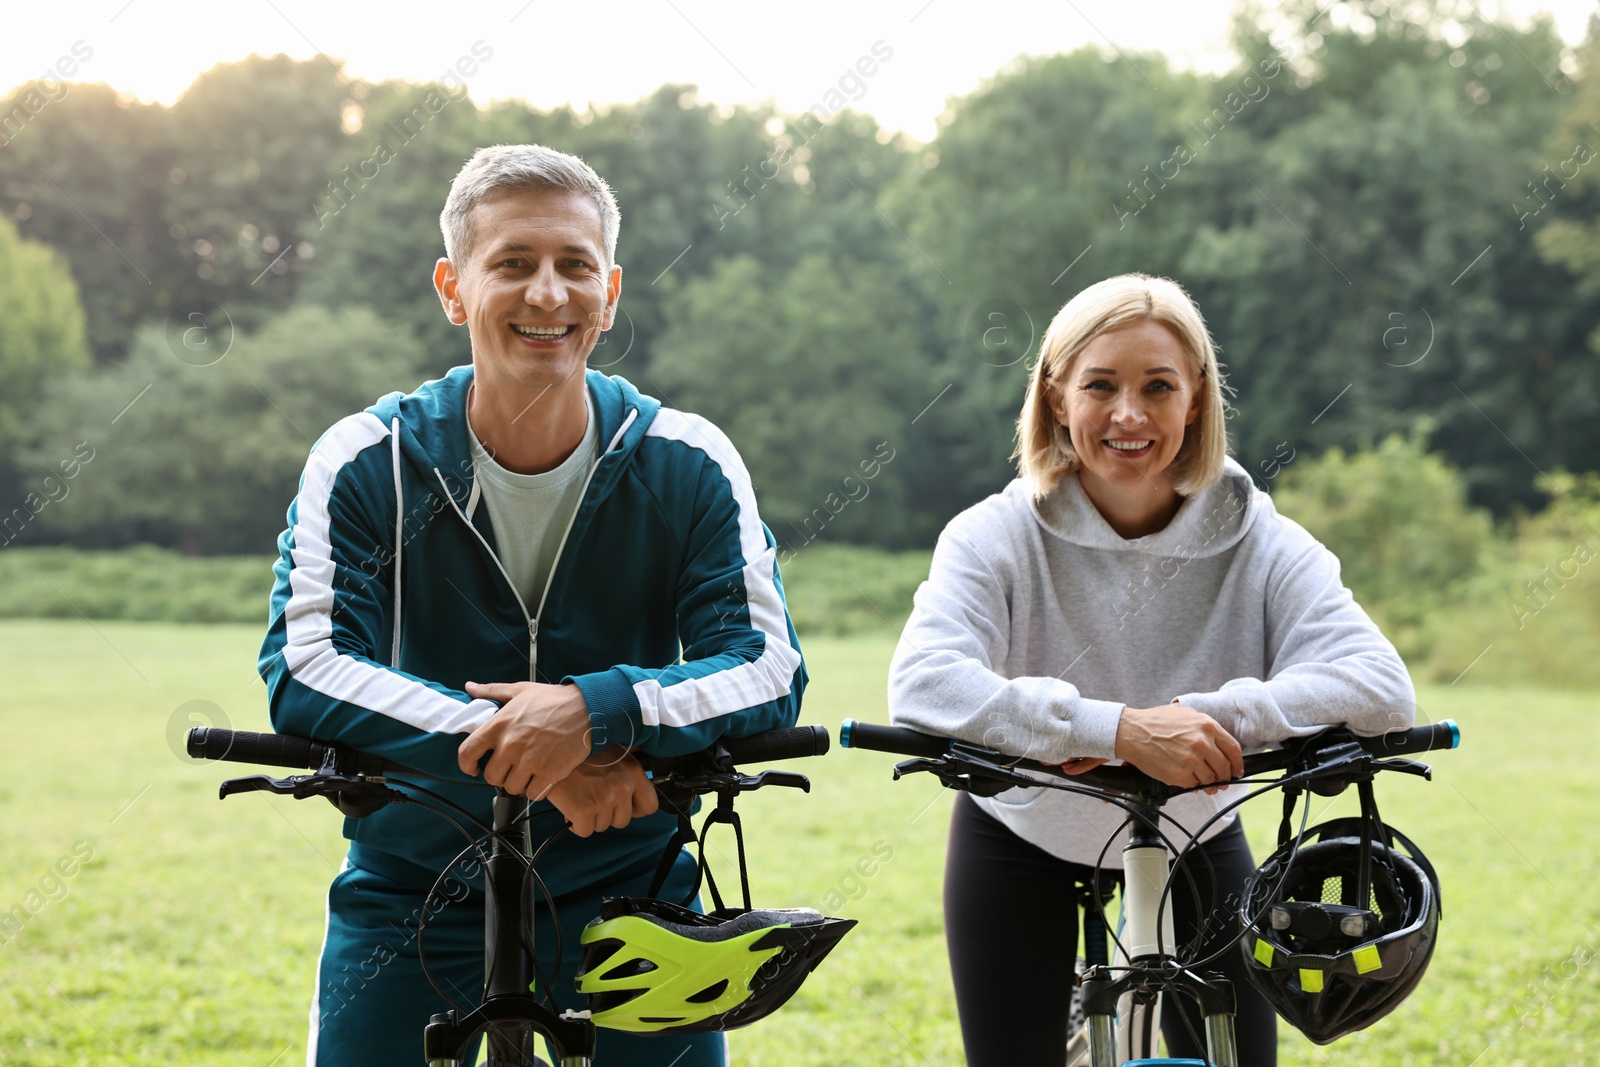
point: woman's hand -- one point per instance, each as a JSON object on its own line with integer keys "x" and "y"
{"x": 1178, "y": 745}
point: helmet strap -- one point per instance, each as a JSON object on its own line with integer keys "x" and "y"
{"x": 724, "y": 813}
{"x": 1372, "y": 828}
{"x": 683, "y": 836}
{"x": 1291, "y": 798}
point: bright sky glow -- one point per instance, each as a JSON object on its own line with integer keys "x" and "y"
{"x": 552, "y": 53}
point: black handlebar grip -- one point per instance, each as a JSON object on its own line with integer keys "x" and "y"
{"x": 1442, "y": 734}
{"x": 795, "y": 742}
{"x": 243, "y": 746}
{"x": 896, "y": 739}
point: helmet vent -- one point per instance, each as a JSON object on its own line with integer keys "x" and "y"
{"x": 1333, "y": 893}
{"x": 709, "y": 993}
{"x": 633, "y": 968}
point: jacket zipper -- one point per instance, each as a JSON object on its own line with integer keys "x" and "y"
{"x": 532, "y": 619}
{"x": 533, "y": 626}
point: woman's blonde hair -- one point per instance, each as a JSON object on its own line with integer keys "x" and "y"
{"x": 1044, "y": 451}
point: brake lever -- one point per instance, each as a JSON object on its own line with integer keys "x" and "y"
{"x": 354, "y": 795}
{"x": 1337, "y": 765}
{"x": 1407, "y": 766}
{"x": 678, "y": 792}
{"x": 295, "y": 786}
{"x": 978, "y": 777}
{"x": 786, "y": 779}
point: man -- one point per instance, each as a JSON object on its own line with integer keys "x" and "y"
{"x": 537, "y": 557}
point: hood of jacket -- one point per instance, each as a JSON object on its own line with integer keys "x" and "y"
{"x": 433, "y": 433}
{"x": 1208, "y": 522}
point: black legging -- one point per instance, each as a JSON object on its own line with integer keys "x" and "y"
{"x": 1012, "y": 929}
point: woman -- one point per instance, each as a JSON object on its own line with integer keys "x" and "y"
{"x": 1132, "y": 596}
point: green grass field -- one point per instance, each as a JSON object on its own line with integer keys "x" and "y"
{"x": 162, "y": 926}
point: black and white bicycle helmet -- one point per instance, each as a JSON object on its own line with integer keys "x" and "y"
{"x": 1339, "y": 931}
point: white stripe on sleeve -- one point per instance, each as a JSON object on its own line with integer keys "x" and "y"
{"x": 771, "y": 675}
{"x": 309, "y": 653}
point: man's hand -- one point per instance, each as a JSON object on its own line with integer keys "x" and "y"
{"x": 604, "y": 792}
{"x": 1178, "y": 745}
{"x": 540, "y": 733}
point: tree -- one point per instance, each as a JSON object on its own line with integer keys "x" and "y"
{"x": 198, "y": 443}
{"x": 1572, "y": 236}
{"x": 1398, "y": 519}
{"x": 814, "y": 373}
{"x": 88, "y": 175}
{"x": 376, "y": 232}
{"x": 41, "y": 331}
{"x": 157, "y": 209}
{"x": 1044, "y": 180}
{"x": 1364, "y": 278}
{"x": 256, "y": 145}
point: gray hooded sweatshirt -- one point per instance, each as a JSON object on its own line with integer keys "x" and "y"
{"x": 1038, "y": 623}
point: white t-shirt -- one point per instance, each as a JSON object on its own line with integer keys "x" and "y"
{"x": 531, "y": 512}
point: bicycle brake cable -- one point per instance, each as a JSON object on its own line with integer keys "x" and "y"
{"x": 473, "y": 845}
{"x": 1305, "y": 818}
{"x": 532, "y": 871}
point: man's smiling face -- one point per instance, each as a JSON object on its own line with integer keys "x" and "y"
{"x": 534, "y": 290}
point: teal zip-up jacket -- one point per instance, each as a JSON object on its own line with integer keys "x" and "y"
{"x": 665, "y": 607}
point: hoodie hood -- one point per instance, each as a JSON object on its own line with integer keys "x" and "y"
{"x": 1208, "y": 522}
{"x": 433, "y": 430}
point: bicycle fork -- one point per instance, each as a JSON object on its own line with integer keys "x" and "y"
{"x": 1149, "y": 968}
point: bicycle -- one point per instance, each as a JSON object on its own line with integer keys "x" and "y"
{"x": 510, "y": 1015}
{"x": 1121, "y": 1002}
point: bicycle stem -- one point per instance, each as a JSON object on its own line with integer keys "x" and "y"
{"x": 509, "y": 969}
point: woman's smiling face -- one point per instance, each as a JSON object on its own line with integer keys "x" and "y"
{"x": 1126, "y": 402}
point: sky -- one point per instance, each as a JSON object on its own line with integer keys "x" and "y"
{"x": 549, "y": 53}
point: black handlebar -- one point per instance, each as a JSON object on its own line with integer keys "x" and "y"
{"x": 268, "y": 750}
{"x": 1127, "y": 779}
{"x": 895, "y": 739}
{"x": 1436, "y": 735}
{"x": 796, "y": 742}
{"x": 302, "y": 753}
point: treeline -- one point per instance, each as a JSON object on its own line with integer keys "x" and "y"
{"x": 1388, "y": 212}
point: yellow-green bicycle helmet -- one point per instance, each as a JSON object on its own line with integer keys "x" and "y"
{"x": 650, "y": 966}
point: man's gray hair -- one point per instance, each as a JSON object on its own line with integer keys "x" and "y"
{"x": 521, "y": 167}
